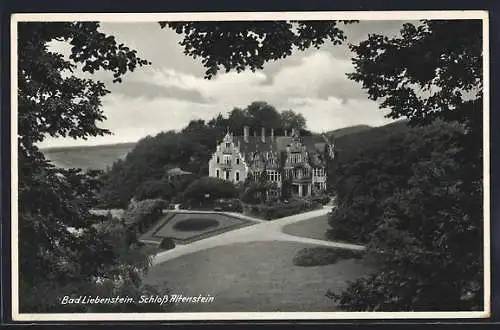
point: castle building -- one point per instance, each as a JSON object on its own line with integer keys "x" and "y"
{"x": 298, "y": 158}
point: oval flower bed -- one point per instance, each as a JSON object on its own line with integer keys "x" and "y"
{"x": 195, "y": 224}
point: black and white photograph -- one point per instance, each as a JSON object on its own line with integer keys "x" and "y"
{"x": 250, "y": 166}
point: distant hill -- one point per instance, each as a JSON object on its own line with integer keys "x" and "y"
{"x": 349, "y": 144}
{"x": 93, "y": 157}
{"x": 347, "y": 130}
{"x": 335, "y": 134}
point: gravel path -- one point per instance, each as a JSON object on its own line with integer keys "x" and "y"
{"x": 260, "y": 232}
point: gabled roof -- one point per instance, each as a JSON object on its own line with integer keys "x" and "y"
{"x": 278, "y": 144}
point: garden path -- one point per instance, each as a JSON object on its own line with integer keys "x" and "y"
{"x": 260, "y": 232}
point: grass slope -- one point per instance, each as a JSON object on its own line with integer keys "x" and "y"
{"x": 93, "y": 157}
{"x": 254, "y": 277}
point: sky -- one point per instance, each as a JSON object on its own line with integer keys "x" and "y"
{"x": 172, "y": 91}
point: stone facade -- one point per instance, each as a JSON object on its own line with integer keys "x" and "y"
{"x": 301, "y": 161}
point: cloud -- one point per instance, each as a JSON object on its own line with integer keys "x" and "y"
{"x": 132, "y": 118}
{"x": 155, "y": 99}
{"x": 317, "y": 75}
{"x": 333, "y": 113}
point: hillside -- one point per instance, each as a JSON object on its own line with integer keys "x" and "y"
{"x": 349, "y": 144}
{"x": 347, "y": 130}
{"x": 94, "y": 157}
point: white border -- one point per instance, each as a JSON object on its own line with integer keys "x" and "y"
{"x": 153, "y": 17}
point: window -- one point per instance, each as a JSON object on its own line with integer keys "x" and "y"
{"x": 273, "y": 176}
{"x": 228, "y": 145}
{"x": 227, "y": 175}
{"x": 237, "y": 176}
{"x": 218, "y": 160}
{"x": 237, "y": 161}
{"x": 217, "y": 173}
{"x": 227, "y": 159}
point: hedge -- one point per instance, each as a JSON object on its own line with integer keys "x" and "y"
{"x": 167, "y": 244}
{"x": 141, "y": 215}
{"x": 280, "y": 210}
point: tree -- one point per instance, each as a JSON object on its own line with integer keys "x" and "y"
{"x": 430, "y": 67}
{"x": 432, "y": 230}
{"x": 244, "y": 45}
{"x": 53, "y": 100}
{"x": 262, "y": 114}
{"x": 237, "y": 119}
{"x": 426, "y": 247}
{"x": 290, "y": 119}
{"x": 208, "y": 189}
{"x": 152, "y": 156}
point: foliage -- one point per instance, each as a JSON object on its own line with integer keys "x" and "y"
{"x": 425, "y": 226}
{"x": 244, "y": 45}
{"x": 320, "y": 197}
{"x": 427, "y": 234}
{"x": 54, "y": 101}
{"x": 256, "y": 192}
{"x": 363, "y": 181}
{"x": 229, "y": 205}
{"x": 152, "y": 189}
{"x": 320, "y": 256}
{"x": 278, "y": 210}
{"x": 142, "y": 214}
{"x": 290, "y": 119}
{"x": 167, "y": 244}
{"x": 208, "y": 189}
{"x": 149, "y": 161}
{"x": 430, "y": 66}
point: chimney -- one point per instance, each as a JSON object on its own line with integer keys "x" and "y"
{"x": 272, "y": 133}
{"x": 246, "y": 133}
{"x": 263, "y": 134}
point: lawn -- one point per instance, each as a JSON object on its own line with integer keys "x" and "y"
{"x": 311, "y": 228}
{"x": 254, "y": 277}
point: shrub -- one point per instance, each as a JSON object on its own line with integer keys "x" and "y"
{"x": 141, "y": 215}
{"x": 153, "y": 189}
{"x": 207, "y": 190}
{"x": 229, "y": 205}
{"x": 322, "y": 199}
{"x": 320, "y": 256}
{"x": 280, "y": 210}
{"x": 167, "y": 244}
